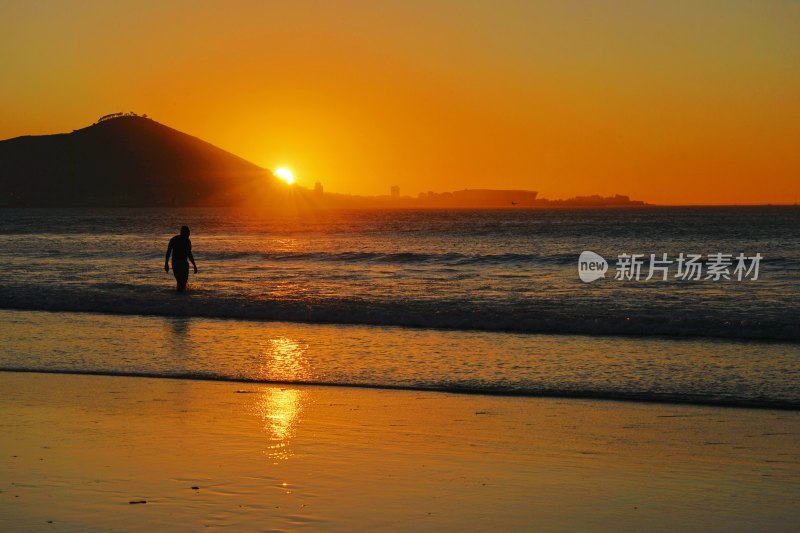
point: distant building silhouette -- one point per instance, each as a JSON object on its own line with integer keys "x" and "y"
{"x": 318, "y": 192}
{"x": 395, "y": 191}
{"x": 479, "y": 198}
{"x": 117, "y": 115}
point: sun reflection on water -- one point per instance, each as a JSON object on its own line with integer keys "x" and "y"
{"x": 280, "y": 408}
{"x": 284, "y": 360}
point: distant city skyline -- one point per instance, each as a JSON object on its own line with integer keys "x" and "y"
{"x": 668, "y": 102}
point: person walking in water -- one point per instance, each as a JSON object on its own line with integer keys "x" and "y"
{"x": 180, "y": 247}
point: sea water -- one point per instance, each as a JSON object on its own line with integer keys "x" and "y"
{"x": 487, "y": 300}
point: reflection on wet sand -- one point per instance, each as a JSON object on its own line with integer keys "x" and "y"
{"x": 280, "y": 408}
{"x": 77, "y": 449}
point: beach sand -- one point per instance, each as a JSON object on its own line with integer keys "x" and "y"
{"x": 76, "y": 450}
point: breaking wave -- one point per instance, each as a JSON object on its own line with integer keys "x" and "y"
{"x": 457, "y": 314}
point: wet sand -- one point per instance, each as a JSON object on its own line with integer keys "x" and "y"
{"x": 76, "y": 450}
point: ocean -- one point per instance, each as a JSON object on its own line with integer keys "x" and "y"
{"x": 482, "y": 301}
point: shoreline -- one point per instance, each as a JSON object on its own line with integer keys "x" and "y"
{"x": 692, "y": 372}
{"x": 76, "y": 450}
{"x": 635, "y": 398}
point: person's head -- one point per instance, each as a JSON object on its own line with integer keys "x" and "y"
{"x": 184, "y": 231}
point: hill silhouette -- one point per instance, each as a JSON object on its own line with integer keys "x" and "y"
{"x": 124, "y": 161}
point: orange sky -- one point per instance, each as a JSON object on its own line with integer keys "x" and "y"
{"x": 670, "y": 102}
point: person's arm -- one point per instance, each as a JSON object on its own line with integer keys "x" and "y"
{"x": 191, "y": 257}
{"x": 166, "y": 260}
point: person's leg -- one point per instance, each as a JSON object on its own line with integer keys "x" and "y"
{"x": 181, "y": 276}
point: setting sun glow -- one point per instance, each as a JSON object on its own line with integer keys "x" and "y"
{"x": 668, "y": 102}
{"x": 285, "y": 174}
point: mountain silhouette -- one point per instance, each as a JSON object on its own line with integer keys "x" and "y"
{"x": 124, "y": 161}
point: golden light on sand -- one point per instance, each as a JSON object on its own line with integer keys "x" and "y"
{"x": 280, "y": 409}
{"x": 285, "y": 174}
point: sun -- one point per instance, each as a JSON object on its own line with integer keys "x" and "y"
{"x": 285, "y": 174}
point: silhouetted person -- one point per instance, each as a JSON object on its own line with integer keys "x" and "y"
{"x": 181, "y": 249}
